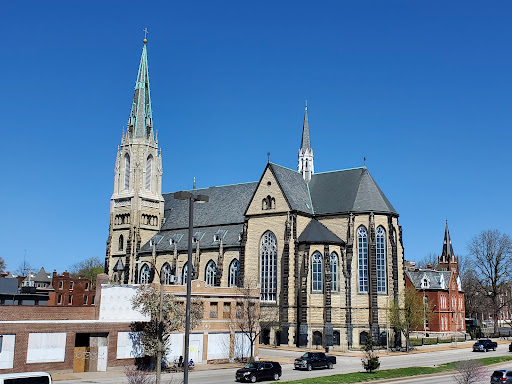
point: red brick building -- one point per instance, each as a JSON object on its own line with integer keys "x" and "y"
{"x": 441, "y": 290}
{"x": 71, "y": 291}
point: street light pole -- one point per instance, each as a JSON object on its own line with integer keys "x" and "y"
{"x": 184, "y": 195}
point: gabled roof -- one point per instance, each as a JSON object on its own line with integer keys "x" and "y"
{"x": 317, "y": 233}
{"x": 294, "y": 188}
{"x": 439, "y": 280}
{"x": 227, "y": 205}
{"x": 351, "y": 190}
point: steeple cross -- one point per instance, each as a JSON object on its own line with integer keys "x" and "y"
{"x": 145, "y": 35}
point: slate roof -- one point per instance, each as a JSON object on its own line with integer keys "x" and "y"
{"x": 351, "y": 190}
{"x": 228, "y": 233}
{"x": 317, "y": 233}
{"x": 434, "y": 276}
{"x": 294, "y": 187}
{"x": 227, "y": 205}
{"x": 42, "y": 277}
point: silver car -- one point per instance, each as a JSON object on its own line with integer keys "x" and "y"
{"x": 501, "y": 376}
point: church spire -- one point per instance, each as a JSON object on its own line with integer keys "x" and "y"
{"x": 140, "y": 123}
{"x": 447, "y": 254}
{"x": 306, "y": 166}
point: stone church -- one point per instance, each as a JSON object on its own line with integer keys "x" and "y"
{"x": 325, "y": 249}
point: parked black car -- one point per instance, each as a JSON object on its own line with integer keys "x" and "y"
{"x": 510, "y": 347}
{"x": 259, "y": 370}
{"x": 311, "y": 360}
{"x": 484, "y": 345}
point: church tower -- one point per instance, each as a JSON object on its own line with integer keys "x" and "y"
{"x": 137, "y": 204}
{"x": 306, "y": 166}
{"x": 448, "y": 261}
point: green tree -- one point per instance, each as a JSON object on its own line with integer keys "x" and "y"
{"x": 88, "y": 268}
{"x": 147, "y": 301}
{"x": 408, "y": 313}
{"x": 370, "y": 359}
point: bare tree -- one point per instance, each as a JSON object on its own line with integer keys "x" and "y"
{"x": 24, "y": 268}
{"x": 147, "y": 301}
{"x": 408, "y": 313}
{"x": 2, "y": 265}
{"x": 470, "y": 372}
{"x": 249, "y": 316}
{"x": 425, "y": 261}
{"x": 491, "y": 253}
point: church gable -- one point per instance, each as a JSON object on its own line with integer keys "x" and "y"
{"x": 268, "y": 197}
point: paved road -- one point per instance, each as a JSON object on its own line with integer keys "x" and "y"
{"x": 345, "y": 364}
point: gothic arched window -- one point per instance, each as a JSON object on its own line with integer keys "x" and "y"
{"x": 381, "y": 260}
{"x": 121, "y": 243}
{"x": 362, "y": 258}
{"x": 334, "y": 271}
{"x": 211, "y": 271}
{"x": 316, "y": 271}
{"x": 144, "y": 274}
{"x": 166, "y": 274}
{"x": 126, "y": 171}
{"x": 234, "y": 273}
{"x": 149, "y": 164}
{"x": 185, "y": 274}
{"x": 268, "y": 265}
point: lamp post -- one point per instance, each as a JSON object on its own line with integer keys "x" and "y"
{"x": 184, "y": 195}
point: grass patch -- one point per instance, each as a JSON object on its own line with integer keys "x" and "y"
{"x": 359, "y": 377}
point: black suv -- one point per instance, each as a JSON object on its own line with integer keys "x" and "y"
{"x": 259, "y": 370}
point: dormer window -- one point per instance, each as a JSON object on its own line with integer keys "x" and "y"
{"x": 216, "y": 238}
{"x": 240, "y": 236}
{"x": 425, "y": 282}
{"x": 194, "y": 239}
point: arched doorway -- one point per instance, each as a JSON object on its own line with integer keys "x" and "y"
{"x": 265, "y": 337}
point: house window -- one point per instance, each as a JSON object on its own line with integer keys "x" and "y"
{"x": 85, "y": 299}
{"x": 234, "y": 273}
{"x": 61, "y": 284}
{"x": 210, "y": 273}
{"x": 126, "y": 171}
{"x": 316, "y": 270}
{"x": 59, "y": 299}
{"x": 226, "y": 311}
{"x": 149, "y": 162}
{"x": 144, "y": 274}
{"x": 362, "y": 258}
{"x": 213, "y": 310}
{"x": 71, "y": 285}
{"x": 166, "y": 274}
{"x": 121, "y": 243}
{"x": 70, "y": 301}
{"x": 381, "y": 260}
{"x": 86, "y": 287}
{"x": 92, "y": 299}
{"x": 334, "y": 271}
{"x": 268, "y": 265}
{"x": 36, "y": 302}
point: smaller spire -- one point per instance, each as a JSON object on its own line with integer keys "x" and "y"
{"x": 305, "y": 142}
{"x": 194, "y": 186}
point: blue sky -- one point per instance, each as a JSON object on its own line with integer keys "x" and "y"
{"x": 421, "y": 89}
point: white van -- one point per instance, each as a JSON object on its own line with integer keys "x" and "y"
{"x": 26, "y": 378}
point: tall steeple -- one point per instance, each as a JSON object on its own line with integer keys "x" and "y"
{"x": 140, "y": 122}
{"x": 137, "y": 204}
{"x": 447, "y": 261}
{"x": 306, "y": 166}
